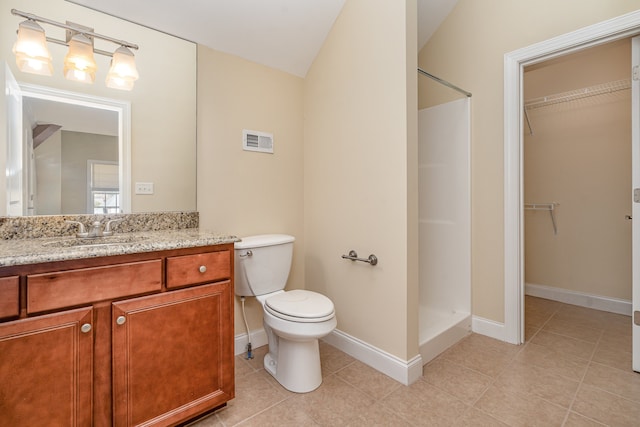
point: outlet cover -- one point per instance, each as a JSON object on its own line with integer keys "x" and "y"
{"x": 144, "y": 188}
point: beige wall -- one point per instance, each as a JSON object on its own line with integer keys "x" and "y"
{"x": 360, "y": 172}
{"x": 244, "y": 192}
{"x": 163, "y": 105}
{"x": 579, "y": 155}
{"x": 468, "y": 49}
{"x": 351, "y": 133}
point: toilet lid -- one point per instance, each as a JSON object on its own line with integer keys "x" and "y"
{"x": 300, "y": 305}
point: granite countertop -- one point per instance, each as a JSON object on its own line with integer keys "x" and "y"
{"x": 37, "y": 250}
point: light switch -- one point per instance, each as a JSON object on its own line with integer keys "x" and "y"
{"x": 144, "y": 187}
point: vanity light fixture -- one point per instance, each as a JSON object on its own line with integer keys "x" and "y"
{"x": 32, "y": 55}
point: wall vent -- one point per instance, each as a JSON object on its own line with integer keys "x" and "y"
{"x": 257, "y": 141}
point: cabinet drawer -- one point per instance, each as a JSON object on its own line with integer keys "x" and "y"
{"x": 200, "y": 268}
{"x": 49, "y": 291}
{"x": 9, "y": 297}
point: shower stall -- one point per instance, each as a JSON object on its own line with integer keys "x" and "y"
{"x": 444, "y": 224}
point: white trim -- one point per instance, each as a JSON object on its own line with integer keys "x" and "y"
{"x": 258, "y": 339}
{"x": 635, "y": 212}
{"x": 489, "y": 328}
{"x": 403, "y": 371}
{"x": 598, "y": 302}
{"x": 513, "y": 239}
{"x": 400, "y": 370}
{"x": 606, "y": 31}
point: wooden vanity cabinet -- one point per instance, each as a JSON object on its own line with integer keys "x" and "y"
{"x": 106, "y": 341}
{"x": 46, "y": 370}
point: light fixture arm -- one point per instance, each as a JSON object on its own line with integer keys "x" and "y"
{"x": 81, "y": 30}
{"x": 64, "y": 43}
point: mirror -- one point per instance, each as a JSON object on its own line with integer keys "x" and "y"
{"x": 162, "y": 110}
{"x": 79, "y": 150}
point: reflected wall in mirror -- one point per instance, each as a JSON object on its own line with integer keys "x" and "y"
{"x": 162, "y": 108}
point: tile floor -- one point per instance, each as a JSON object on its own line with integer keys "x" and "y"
{"x": 574, "y": 370}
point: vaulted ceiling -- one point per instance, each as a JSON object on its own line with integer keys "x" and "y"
{"x": 282, "y": 34}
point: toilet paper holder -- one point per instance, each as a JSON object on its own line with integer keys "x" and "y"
{"x": 353, "y": 256}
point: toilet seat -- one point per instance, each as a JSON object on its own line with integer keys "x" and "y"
{"x": 300, "y": 306}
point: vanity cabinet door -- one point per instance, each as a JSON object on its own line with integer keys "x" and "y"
{"x": 172, "y": 355}
{"x": 9, "y": 297}
{"x": 46, "y": 370}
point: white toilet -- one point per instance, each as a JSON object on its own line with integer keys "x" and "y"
{"x": 294, "y": 320}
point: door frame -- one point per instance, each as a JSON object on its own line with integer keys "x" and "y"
{"x": 514, "y": 62}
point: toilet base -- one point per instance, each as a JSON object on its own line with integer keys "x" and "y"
{"x": 296, "y": 366}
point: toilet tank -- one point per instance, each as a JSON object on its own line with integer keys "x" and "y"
{"x": 262, "y": 263}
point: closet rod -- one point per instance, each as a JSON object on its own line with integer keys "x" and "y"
{"x": 444, "y": 82}
{"x": 601, "y": 89}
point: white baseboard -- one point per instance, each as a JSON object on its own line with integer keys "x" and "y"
{"x": 258, "y": 339}
{"x": 403, "y": 371}
{"x": 488, "y": 327}
{"x": 597, "y": 302}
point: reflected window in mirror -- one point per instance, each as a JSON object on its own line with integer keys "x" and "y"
{"x": 104, "y": 196}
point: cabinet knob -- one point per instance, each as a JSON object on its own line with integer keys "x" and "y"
{"x": 120, "y": 320}
{"x": 203, "y": 269}
{"x": 85, "y": 328}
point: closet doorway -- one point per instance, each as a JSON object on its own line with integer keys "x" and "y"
{"x": 514, "y": 62}
{"x": 577, "y": 179}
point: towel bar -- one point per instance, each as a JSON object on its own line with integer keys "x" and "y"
{"x": 353, "y": 256}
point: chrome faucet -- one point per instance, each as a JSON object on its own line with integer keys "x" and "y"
{"x": 95, "y": 230}
{"x": 107, "y": 228}
{"x": 82, "y": 232}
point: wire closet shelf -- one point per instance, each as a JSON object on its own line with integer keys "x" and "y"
{"x": 574, "y": 95}
{"x": 587, "y": 92}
